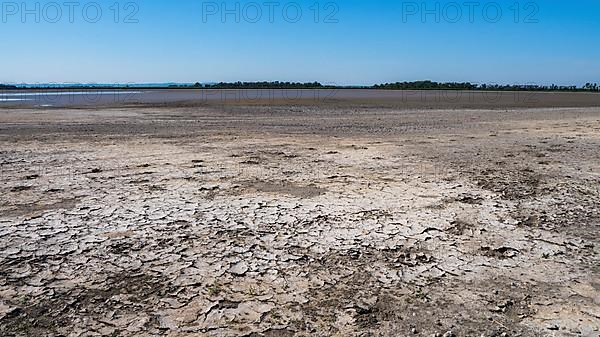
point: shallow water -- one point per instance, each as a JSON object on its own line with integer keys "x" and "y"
{"x": 67, "y": 93}
{"x": 65, "y": 98}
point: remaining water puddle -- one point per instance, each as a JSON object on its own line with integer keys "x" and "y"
{"x": 2, "y": 99}
{"x": 62, "y": 96}
{"x": 67, "y": 93}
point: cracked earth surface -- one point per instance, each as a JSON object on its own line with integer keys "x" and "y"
{"x": 267, "y": 221}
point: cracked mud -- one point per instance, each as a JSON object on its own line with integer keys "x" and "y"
{"x": 265, "y": 221}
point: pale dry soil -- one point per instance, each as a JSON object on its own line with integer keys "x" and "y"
{"x": 299, "y": 221}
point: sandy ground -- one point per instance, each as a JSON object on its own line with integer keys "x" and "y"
{"x": 332, "y": 220}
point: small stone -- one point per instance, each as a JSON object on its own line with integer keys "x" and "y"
{"x": 240, "y": 269}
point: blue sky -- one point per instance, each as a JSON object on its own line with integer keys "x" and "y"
{"x": 347, "y": 42}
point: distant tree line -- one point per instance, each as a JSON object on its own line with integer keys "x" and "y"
{"x": 426, "y": 85}
{"x": 416, "y": 85}
{"x": 430, "y": 85}
{"x": 257, "y": 85}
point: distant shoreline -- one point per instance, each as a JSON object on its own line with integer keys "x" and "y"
{"x": 406, "y": 86}
{"x": 92, "y": 89}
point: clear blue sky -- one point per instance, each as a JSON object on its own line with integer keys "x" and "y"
{"x": 365, "y": 42}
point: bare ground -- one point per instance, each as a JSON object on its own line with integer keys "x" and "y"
{"x": 353, "y": 220}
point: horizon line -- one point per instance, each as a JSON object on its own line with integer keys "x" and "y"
{"x": 171, "y": 83}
